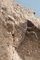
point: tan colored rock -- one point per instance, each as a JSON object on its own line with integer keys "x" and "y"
{"x": 19, "y": 32}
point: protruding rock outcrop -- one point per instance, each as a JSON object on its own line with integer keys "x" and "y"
{"x": 19, "y": 32}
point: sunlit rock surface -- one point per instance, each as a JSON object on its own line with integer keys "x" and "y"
{"x": 19, "y": 32}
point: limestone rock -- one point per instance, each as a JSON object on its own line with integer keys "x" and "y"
{"x": 19, "y": 32}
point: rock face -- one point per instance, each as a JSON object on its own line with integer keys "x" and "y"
{"x": 19, "y": 32}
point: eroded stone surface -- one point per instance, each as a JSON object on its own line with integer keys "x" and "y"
{"x": 19, "y": 32}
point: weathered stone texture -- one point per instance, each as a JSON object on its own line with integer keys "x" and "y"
{"x": 19, "y": 32}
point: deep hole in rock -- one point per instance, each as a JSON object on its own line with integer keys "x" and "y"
{"x": 29, "y": 23}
